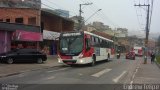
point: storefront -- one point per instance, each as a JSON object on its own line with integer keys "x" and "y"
{"x": 50, "y": 41}
{"x": 14, "y": 36}
{"x": 25, "y": 39}
{"x": 5, "y": 41}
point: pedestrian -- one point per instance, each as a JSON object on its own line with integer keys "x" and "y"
{"x": 152, "y": 57}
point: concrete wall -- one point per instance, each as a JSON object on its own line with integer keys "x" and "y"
{"x": 25, "y": 13}
{"x": 5, "y": 41}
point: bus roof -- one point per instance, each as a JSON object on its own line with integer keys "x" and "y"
{"x": 98, "y": 36}
{"x": 89, "y": 34}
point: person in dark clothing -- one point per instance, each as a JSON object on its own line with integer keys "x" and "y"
{"x": 152, "y": 57}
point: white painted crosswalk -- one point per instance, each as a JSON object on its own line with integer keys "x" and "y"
{"x": 120, "y": 76}
{"x": 101, "y": 72}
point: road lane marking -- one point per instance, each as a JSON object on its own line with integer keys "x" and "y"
{"x": 137, "y": 68}
{"x": 101, "y": 73}
{"x": 131, "y": 82}
{"x": 117, "y": 78}
{"x": 80, "y": 74}
{"x": 62, "y": 69}
{"x": 49, "y": 78}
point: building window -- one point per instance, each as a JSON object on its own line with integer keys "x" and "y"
{"x": 7, "y": 20}
{"x": 32, "y": 20}
{"x": 1, "y": 20}
{"x": 19, "y": 20}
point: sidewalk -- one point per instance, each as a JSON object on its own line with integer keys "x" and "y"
{"x": 148, "y": 74}
{"x": 13, "y": 69}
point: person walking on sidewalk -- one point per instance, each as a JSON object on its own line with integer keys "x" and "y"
{"x": 152, "y": 57}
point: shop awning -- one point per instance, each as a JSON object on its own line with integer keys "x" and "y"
{"x": 50, "y": 35}
{"x": 20, "y": 35}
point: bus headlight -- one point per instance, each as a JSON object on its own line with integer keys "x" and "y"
{"x": 81, "y": 55}
{"x": 81, "y": 61}
{"x": 59, "y": 60}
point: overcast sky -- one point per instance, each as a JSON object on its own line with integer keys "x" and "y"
{"x": 115, "y": 13}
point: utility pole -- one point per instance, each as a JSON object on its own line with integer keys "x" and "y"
{"x": 147, "y": 26}
{"x": 80, "y": 15}
{"x": 92, "y": 15}
{"x": 114, "y": 39}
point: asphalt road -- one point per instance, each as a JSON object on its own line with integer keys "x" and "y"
{"x": 115, "y": 72}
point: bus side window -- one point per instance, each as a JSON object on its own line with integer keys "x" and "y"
{"x": 92, "y": 40}
{"x": 97, "y": 41}
{"x": 88, "y": 45}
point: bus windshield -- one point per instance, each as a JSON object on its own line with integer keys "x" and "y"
{"x": 71, "y": 45}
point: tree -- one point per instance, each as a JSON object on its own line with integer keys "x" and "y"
{"x": 158, "y": 43}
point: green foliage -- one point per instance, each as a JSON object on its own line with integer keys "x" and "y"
{"x": 158, "y": 41}
{"x": 158, "y": 58}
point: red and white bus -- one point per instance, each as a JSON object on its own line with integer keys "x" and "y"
{"x": 83, "y": 48}
{"x": 138, "y": 51}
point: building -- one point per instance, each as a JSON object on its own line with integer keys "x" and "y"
{"x": 53, "y": 25}
{"x": 76, "y": 20}
{"x": 30, "y": 24}
{"x": 53, "y": 22}
{"x": 27, "y": 16}
{"x": 89, "y": 28}
{"x": 14, "y": 35}
{"x": 135, "y": 41}
{"x": 20, "y": 23}
{"x": 123, "y": 32}
{"x": 151, "y": 44}
{"x": 98, "y": 25}
{"x": 62, "y": 13}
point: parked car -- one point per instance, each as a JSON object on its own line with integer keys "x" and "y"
{"x": 23, "y": 55}
{"x": 131, "y": 55}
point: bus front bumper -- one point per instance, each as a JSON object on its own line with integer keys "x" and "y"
{"x": 75, "y": 61}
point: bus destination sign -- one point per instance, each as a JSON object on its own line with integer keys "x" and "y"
{"x": 71, "y": 34}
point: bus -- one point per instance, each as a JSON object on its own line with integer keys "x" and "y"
{"x": 138, "y": 50}
{"x": 82, "y": 47}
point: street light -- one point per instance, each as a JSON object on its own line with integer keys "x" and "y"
{"x": 92, "y": 15}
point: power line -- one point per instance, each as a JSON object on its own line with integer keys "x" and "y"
{"x": 102, "y": 13}
{"x": 140, "y": 23}
{"x": 54, "y": 8}
{"x": 58, "y": 5}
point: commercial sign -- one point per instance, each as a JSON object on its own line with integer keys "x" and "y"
{"x": 71, "y": 34}
{"x": 20, "y": 35}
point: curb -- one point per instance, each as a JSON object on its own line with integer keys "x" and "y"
{"x": 20, "y": 72}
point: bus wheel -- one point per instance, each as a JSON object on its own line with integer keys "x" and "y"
{"x": 93, "y": 60}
